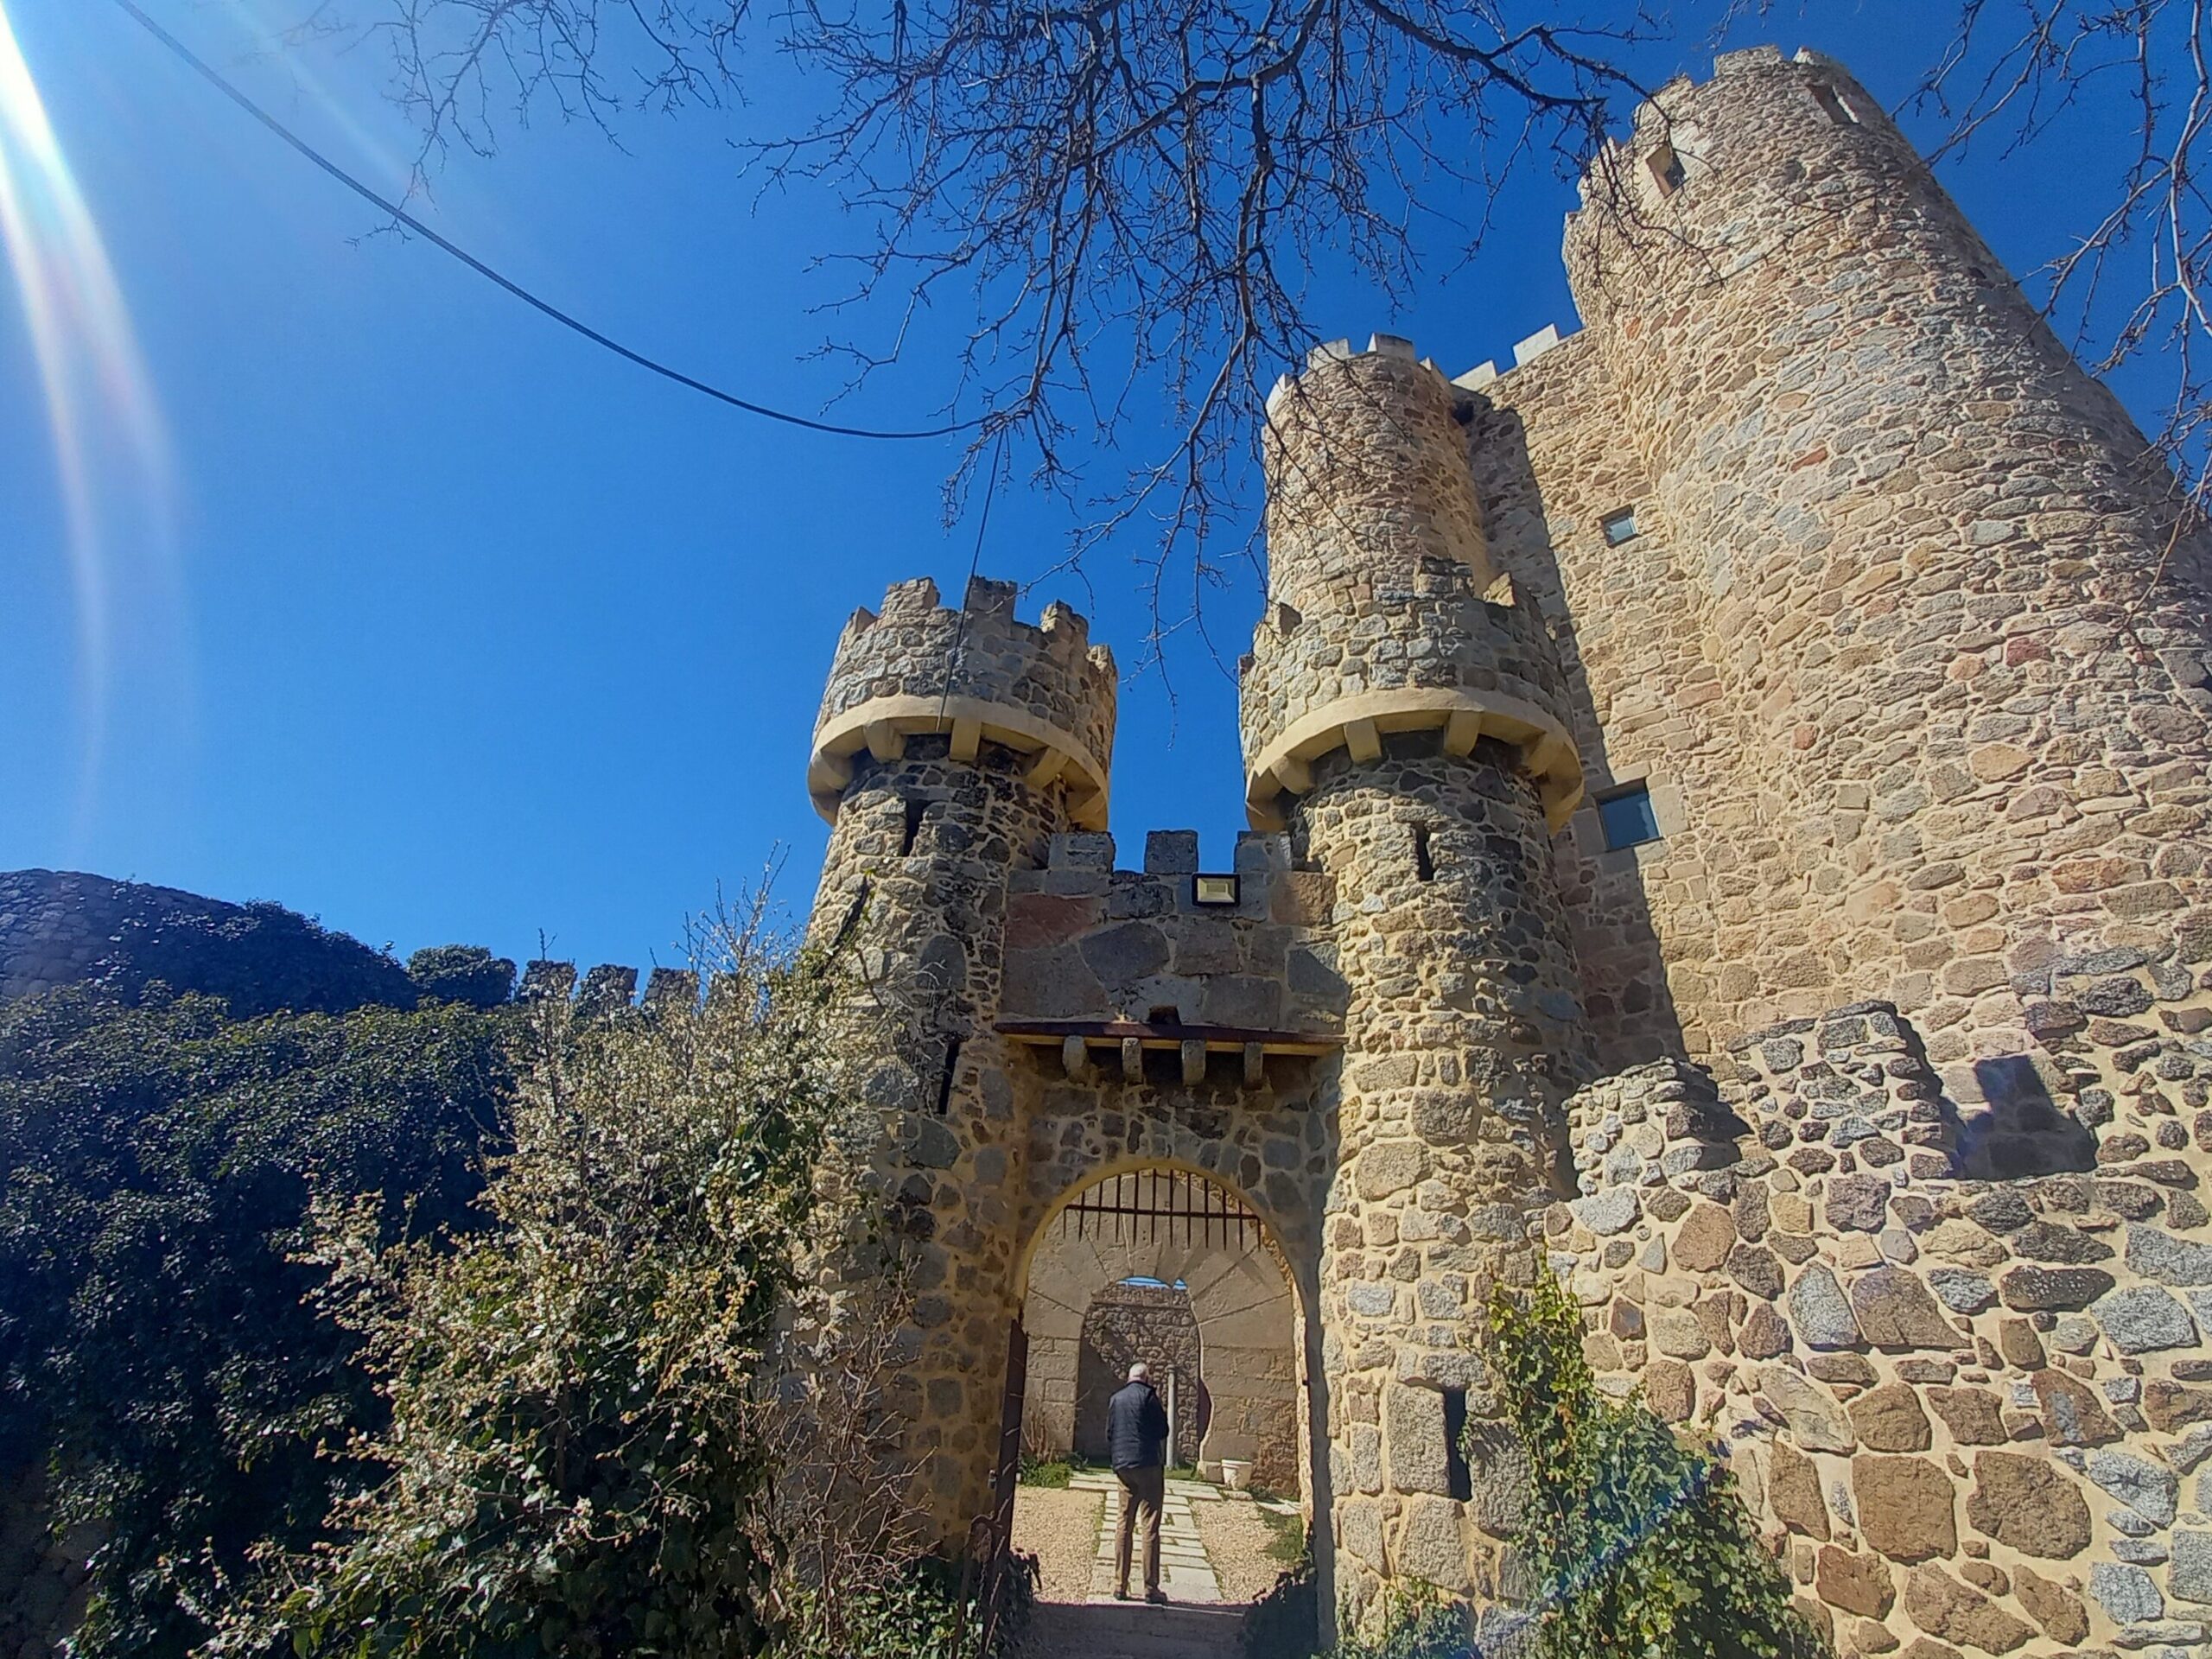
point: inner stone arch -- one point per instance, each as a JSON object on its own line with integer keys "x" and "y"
{"x": 1124, "y": 1263}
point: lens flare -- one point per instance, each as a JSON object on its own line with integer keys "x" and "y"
{"x": 109, "y": 441}
{"x": 284, "y": 44}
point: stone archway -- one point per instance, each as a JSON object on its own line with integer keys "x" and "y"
{"x": 1192, "y": 1234}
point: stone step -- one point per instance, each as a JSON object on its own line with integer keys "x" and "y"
{"x": 1132, "y": 1630}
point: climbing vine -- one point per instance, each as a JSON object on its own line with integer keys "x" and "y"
{"x": 1635, "y": 1540}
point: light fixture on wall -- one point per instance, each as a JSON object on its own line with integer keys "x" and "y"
{"x": 1213, "y": 889}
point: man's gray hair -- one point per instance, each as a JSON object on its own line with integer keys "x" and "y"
{"x": 1139, "y": 1371}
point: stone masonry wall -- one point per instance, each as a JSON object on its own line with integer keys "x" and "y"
{"x": 1970, "y": 1415}
{"x": 60, "y": 927}
{"x": 1463, "y": 1036}
{"x": 1642, "y": 694}
{"x": 1085, "y": 941}
{"x": 44, "y": 1579}
{"x": 1886, "y": 643}
{"x": 1239, "y": 1293}
{"x": 916, "y": 647}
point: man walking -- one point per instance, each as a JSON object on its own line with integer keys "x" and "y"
{"x": 1137, "y": 1437}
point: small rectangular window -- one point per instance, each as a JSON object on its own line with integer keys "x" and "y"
{"x": 1627, "y": 816}
{"x": 1458, "y": 1478}
{"x": 1424, "y": 855}
{"x": 1666, "y": 169}
{"x": 1213, "y": 889}
{"x": 1839, "y": 109}
{"x": 1620, "y": 527}
{"x": 949, "y": 1076}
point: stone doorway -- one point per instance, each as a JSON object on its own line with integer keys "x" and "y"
{"x": 1176, "y": 1269}
{"x": 1141, "y": 1319}
{"x": 1168, "y": 1267}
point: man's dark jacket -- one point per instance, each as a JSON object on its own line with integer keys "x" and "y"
{"x": 1136, "y": 1428}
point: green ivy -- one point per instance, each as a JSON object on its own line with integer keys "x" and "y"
{"x": 1634, "y": 1539}
{"x": 158, "y": 1163}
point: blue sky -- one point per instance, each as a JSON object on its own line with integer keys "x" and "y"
{"x": 455, "y": 629}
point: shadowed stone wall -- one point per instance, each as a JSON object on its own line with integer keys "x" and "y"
{"x": 1967, "y": 1411}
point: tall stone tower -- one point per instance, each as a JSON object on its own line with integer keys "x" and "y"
{"x": 1402, "y": 716}
{"x": 951, "y": 746}
{"x": 1942, "y": 574}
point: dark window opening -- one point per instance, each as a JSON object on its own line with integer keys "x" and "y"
{"x": 952, "y": 1075}
{"x": 1424, "y": 858}
{"x": 1627, "y": 818}
{"x": 1839, "y": 110}
{"x": 1620, "y": 527}
{"x": 1166, "y": 1015}
{"x": 916, "y": 812}
{"x": 1666, "y": 169}
{"x": 1457, "y": 1475}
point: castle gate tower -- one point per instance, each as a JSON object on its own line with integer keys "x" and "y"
{"x": 1401, "y": 715}
{"x": 1942, "y": 576}
{"x": 952, "y": 746}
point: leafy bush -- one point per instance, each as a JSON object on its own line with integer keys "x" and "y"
{"x": 577, "y": 1461}
{"x": 926, "y": 1610}
{"x": 1408, "y": 1624}
{"x": 1046, "y": 1472}
{"x": 260, "y": 958}
{"x": 1411, "y": 1623}
{"x": 157, "y": 1164}
{"x": 1635, "y": 1540}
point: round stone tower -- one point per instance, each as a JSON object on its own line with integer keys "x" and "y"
{"x": 1947, "y": 587}
{"x": 1402, "y": 716}
{"x": 952, "y": 746}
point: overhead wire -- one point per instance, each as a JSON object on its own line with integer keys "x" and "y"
{"x": 401, "y": 216}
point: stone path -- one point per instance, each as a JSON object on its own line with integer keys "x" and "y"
{"x": 1132, "y": 1630}
{"x": 1195, "y": 1624}
{"x": 1185, "y": 1575}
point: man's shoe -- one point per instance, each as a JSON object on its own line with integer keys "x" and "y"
{"x": 1122, "y": 1592}
{"x": 1157, "y": 1598}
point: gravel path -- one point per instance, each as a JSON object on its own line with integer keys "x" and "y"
{"x": 1237, "y": 1535}
{"x": 1060, "y": 1528}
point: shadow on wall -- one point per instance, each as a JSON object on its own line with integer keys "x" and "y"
{"x": 1624, "y": 988}
{"x": 2024, "y": 1131}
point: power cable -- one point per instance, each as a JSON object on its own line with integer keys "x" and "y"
{"x": 401, "y": 216}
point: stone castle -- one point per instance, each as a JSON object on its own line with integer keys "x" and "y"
{"x": 1728, "y": 802}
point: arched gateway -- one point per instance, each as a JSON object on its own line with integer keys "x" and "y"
{"x": 1174, "y": 1269}
{"x": 1363, "y": 1028}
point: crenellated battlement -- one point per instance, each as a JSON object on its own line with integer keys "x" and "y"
{"x": 1384, "y": 613}
{"x": 1337, "y": 358}
{"x": 976, "y": 674}
{"x": 608, "y": 989}
{"x": 1758, "y": 110}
